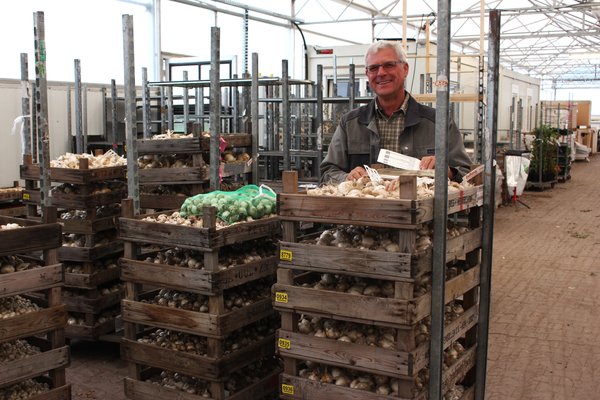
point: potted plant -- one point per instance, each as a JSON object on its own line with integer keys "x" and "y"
{"x": 544, "y": 154}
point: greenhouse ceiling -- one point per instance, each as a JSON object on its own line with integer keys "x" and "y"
{"x": 557, "y": 41}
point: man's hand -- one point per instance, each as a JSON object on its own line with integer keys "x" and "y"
{"x": 356, "y": 173}
{"x": 428, "y": 162}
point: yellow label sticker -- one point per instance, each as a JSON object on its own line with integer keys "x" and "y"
{"x": 26, "y": 196}
{"x": 285, "y": 255}
{"x": 287, "y": 389}
{"x": 281, "y": 297}
{"x": 284, "y": 344}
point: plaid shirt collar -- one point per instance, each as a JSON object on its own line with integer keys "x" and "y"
{"x": 403, "y": 108}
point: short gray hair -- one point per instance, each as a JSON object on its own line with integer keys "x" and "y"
{"x": 387, "y": 44}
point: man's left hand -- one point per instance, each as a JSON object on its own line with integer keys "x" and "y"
{"x": 428, "y": 162}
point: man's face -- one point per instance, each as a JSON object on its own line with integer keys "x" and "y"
{"x": 387, "y": 81}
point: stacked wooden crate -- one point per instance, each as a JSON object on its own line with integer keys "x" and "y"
{"x": 173, "y": 168}
{"x": 185, "y": 336}
{"x": 88, "y": 200}
{"x": 377, "y": 341}
{"x": 11, "y": 204}
{"x": 33, "y": 355}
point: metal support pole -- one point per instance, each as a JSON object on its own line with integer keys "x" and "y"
{"x": 41, "y": 106}
{"x": 351, "y": 81}
{"x": 254, "y": 116}
{"x": 511, "y": 126}
{"x": 113, "y": 112}
{"x": 170, "y": 113}
{"x": 440, "y": 212}
{"x": 285, "y": 96}
{"x": 163, "y": 110}
{"x": 489, "y": 179}
{"x": 69, "y": 116}
{"x": 215, "y": 108}
{"x": 198, "y": 108}
{"x": 133, "y": 186}
{"x": 25, "y": 105}
{"x": 78, "y": 107}
{"x": 319, "y": 126}
{"x": 186, "y": 104}
{"x": 84, "y": 116}
{"x": 147, "y": 134}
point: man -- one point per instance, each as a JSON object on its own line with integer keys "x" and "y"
{"x": 393, "y": 120}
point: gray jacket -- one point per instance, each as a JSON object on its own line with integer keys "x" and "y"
{"x": 356, "y": 141}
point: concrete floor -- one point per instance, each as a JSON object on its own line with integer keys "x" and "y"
{"x": 545, "y": 312}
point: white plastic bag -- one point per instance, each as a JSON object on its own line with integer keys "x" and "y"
{"x": 517, "y": 170}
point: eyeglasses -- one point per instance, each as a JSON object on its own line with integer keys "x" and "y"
{"x": 387, "y": 66}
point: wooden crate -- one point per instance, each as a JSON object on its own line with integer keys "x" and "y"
{"x": 93, "y": 279}
{"x": 367, "y": 309}
{"x": 31, "y": 237}
{"x": 376, "y": 360}
{"x": 88, "y": 226}
{"x": 194, "y": 322}
{"x": 141, "y": 390}
{"x": 195, "y": 280}
{"x": 82, "y": 254}
{"x": 370, "y": 212}
{"x": 371, "y": 263}
{"x": 90, "y": 332}
{"x": 92, "y": 303}
{"x": 32, "y": 196}
{"x": 204, "y": 239}
{"x": 31, "y": 280}
{"x": 83, "y": 201}
{"x": 11, "y": 193}
{"x": 77, "y": 176}
{"x": 235, "y": 168}
{"x": 35, "y": 365}
{"x": 203, "y": 367}
{"x": 189, "y": 145}
{"x": 13, "y": 210}
{"x": 33, "y": 323}
{"x": 293, "y": 387}
{"x": 173, "y": 176}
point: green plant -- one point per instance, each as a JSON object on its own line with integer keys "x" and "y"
{"x": 544, "y": 153}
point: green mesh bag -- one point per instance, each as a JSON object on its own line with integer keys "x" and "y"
{"x": 249, "y": 201}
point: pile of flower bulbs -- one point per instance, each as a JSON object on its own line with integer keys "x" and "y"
{"x": 379, "y": 384}
{"x": 101, "y": 211}
{"x": 10, "y": 226}
{"x": 90, "y": 189}
{"x": 78, "y": 319}
{"x": 10, "y": 264}
{"x": 241, "y": 254}
{"x": 387, "y": 189}
{"x": 365, "y": 286}
{"x": 78, "y": 268}
{"x": 23, "y": 390}
{"x": 176, "y": 219}
{"x": 79, "y": 240}
{"x": 350, "y": 332}
{"x": 232, "y": 157}
{"x": 234, "y": 299}
{"x": 169, "y": 134}
{"x": 70, "y": 160}
{"x": 12, "y": 306}
{"x": 7, "y": 190}
{"x": 149, "y": 161}
{"x": 17, "y": 350}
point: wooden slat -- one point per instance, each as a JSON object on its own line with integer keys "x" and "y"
{"x": 93, "y": 280}
{"x": 173, "y": 175}
{"x": 86, "y": 176}
{"x": 88, "y": 332}
{"x": 32, "y": 280}
{"x": 88, "y": 226}
{"x": 84, "y": 304}
{"x": 162, "y": 201}
{"x": 80, "y": 201}
{"x": 82, "y": 254}
{"x": 32, "y": 366}
{"x": 60, "y": 393}
{"x": 33, "y": 323}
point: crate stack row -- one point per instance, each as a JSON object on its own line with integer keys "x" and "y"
{"x": 33, "y": 355}
{"x": 88, "y": 202}
{"x": 175, "y": 166}
{"x": 355, "y": 316}
{"x": 11, "y": 201}
{"x": 197, "y": 315}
